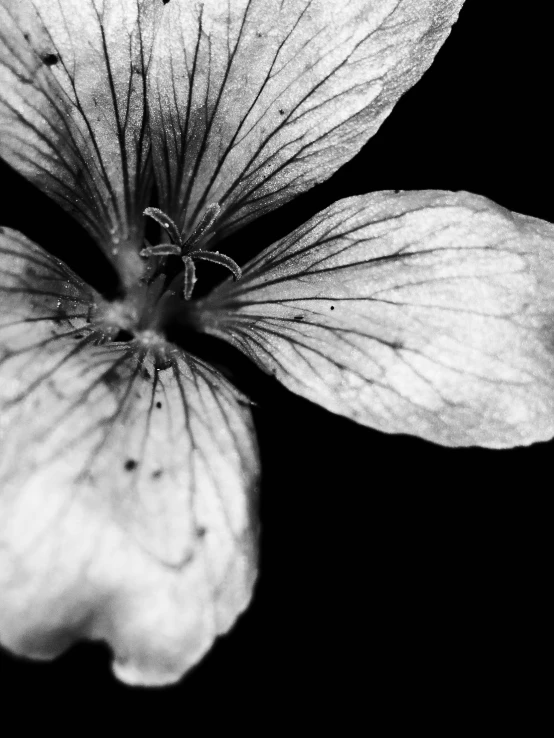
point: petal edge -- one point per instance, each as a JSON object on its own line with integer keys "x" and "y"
{"x": 428, "y": 313}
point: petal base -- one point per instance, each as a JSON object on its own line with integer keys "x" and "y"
{"x": 126, "y": 484}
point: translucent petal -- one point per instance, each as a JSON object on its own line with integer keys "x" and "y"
{"x": 254, "y": 101}
{"x": 126, "y": 488}
{"x": 72, "y": 110}
{"x": 428, "y": 313}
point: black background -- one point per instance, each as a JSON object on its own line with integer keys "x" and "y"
{"x": 399, "y": 580}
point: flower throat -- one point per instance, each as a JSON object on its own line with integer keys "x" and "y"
{"x": 160, "y": 294}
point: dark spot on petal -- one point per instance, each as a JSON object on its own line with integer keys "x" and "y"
{"x": 201, "y": 531}
{"x": 281, "y": 111}
{"x": 50, "y": 59}
{"x": 158, "y": 404}
{"x": 77, "y": 336}
{"x": 165, "y": 2}
{"x": 298, "y": 317}
{"x": 332, "y": 307}
{"x": 130, "y": 464}
{"x": 162, "y": 363}
{"x": 26, "y": 36}
{"x": 157, "y": 474}
{"x": 259, "y": 34}
{"x": 112, "y": 377}
{"x": 144, "y": 373}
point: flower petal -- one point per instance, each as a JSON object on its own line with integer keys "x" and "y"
{"x": 428, "y": 313}
{"x": 255, "y": 101}
{"x": 125, "y": 488}
{"x": 72, "y": 110}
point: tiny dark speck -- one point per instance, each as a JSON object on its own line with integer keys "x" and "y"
{"x": 77, "y": 336}
{"x": 130, "y": 464}
{"x": 201, "y": 532}
{"x": 332, "y": 307}
{"x": 50, "y": 59}
{"x": 259, "y": 34}
{"x": 157, "y": 474}
{"x": 158, "y": 405}
{"x": 165, "y": 2}
{"x": 26, "y": 36}
{"x": 298, "y": 317}
{"x": 111, "y": 378}
{"x": 281, "y": 111}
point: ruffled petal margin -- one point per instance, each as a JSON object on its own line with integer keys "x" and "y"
{"x": 126, "y": 488}
{"x": 429, "y": 313}
{"x": 255, "y": 101}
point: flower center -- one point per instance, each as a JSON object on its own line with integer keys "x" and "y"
{"x": 150, "y": 304}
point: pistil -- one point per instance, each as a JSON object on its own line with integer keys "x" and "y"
{"x": 155, "y": 298}
{"x": 189, "y": 249}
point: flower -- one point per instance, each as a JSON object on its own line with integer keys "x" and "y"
{"x": 410, "y": 312}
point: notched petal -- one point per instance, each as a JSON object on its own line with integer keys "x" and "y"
{"x": 255, "y": 101}
{"x": 430, "y": 313}
{"x": 126, "y": 489}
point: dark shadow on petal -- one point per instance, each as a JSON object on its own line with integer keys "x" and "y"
{"x": 239, "y": 370}
{"x": 28, "y": 210}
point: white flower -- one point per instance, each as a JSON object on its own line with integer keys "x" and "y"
{"x": 128, "y": 466}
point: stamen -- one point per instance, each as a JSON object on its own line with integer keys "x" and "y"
{"x": 165, "y": 221}
{"x": 217, "y": 258}
{"x": 164, "y": 249}
{"x": 189, "y": 277}
{"x": 206, "y": 222}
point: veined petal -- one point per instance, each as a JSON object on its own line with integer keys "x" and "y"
{"x": 73, "y": 114}
{"x": 255, "y": 101}
{"x": 126, "y": 488}
{"x": 428, "y": 313}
